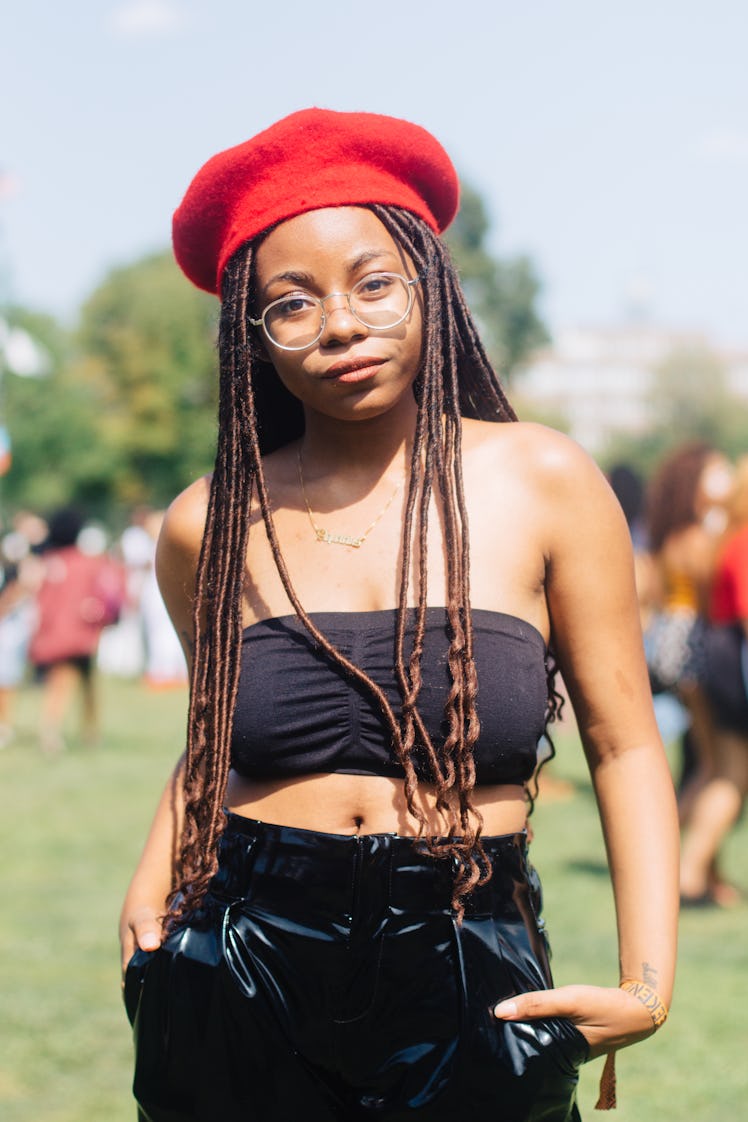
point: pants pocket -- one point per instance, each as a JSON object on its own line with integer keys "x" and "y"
{"x": 554, "y": 1039}
{"x": 170, "y": 997}
{"x": 572, "y": 1042}
{"x": 134, "y": 976}
{"x": 522, "y": 953}
{"x": 532, "y": 1067}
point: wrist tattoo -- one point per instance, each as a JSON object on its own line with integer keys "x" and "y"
{"x": 649, "y": 974}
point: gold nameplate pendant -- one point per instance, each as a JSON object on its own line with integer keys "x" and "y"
{"x": 338, "y": 539}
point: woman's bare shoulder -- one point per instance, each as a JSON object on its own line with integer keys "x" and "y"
{"x": 184, "y": 522}
{"x": 543, "y": 453}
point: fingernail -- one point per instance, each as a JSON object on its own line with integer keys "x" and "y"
{"x": 505, "y": 1009}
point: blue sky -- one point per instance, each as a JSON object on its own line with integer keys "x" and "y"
{"x": 610, "y": 140}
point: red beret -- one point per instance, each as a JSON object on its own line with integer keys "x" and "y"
{"x": 314, "y": 158}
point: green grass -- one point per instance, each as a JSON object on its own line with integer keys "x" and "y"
{"x": 71, "y": 829}
{"x": 695, "y": 1069}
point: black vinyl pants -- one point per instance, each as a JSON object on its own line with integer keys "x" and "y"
{"x": 327, "y": 980}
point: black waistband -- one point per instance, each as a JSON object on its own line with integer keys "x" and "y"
{"x": 292, "y": 867}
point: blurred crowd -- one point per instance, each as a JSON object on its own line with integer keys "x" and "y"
{"x": 689, "y": 526}
{"x": 73, "y": 602}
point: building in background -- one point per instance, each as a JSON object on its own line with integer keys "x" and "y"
{"x": 598, "y": 380}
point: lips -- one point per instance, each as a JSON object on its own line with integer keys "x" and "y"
{"x": 354, "y": 370}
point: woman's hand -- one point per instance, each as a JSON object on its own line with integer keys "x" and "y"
{"x": 607, "y": 1018}
{"x": 141, "y": 928}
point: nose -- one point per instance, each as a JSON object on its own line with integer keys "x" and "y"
{"x": 339, "y": 324}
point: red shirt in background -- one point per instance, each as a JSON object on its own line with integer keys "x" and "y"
{"x": 729, "y": 597}
{"x": 78, "y": 597}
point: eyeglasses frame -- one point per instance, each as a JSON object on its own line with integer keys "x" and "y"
{"x": 347, "y": 295}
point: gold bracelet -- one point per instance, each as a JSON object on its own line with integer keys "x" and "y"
{"x": 657, "y": 1010}
{"x": 649, "y": 998}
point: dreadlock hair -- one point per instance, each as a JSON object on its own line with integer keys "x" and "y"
{"x": 256, "y": 415}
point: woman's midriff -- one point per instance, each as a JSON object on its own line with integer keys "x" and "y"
{"x": 364, "y": 804}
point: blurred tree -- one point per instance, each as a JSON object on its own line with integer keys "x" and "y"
{"x": 689, "y": 400}
{"x": 689, "y": 396}
{"x": 502, "y": 294}
{"x": 126, "y": 413}
{"x": 147, "y": 357}
{"x": 55, "y": 448}
{"x": 553, "y": 416}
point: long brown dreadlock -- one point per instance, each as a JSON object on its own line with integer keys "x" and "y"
{"x": 256, "y": 415}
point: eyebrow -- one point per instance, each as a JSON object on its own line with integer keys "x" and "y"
{"x": 306, "y": 280}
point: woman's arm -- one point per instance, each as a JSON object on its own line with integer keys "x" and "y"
{"x": 597, "y": 639}
{"x": 144, "y": 906}
{"x": 141, "y": 922}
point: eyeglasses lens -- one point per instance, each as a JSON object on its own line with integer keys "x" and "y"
{"x": 379, "y": 301}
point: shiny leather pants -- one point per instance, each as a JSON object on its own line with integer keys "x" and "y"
{"x": 327, "y": 980}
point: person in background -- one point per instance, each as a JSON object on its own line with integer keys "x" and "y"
{"x": 685, "y": 516}
{"x": 165, "y": 666}
{"x": 121, "y": 652}
{"x": 79, "y": 594}
{"x": 720, "y": 801}
{"x": 374, "y": 589}
{"x": 19, "y": 576}
{"x": 627, "y": 486}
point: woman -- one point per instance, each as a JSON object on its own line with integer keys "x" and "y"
{"x": 719, "y": 803}
{"x": 19, "y": 578}
{"x": 369, "y": 679}
{"x": 79, "y": 595}
{"x": 685, "y": 517}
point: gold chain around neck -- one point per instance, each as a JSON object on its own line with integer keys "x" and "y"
{"x": 330, "y": 538}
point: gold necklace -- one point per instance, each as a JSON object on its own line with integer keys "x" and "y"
{"x": 341, "y": 539}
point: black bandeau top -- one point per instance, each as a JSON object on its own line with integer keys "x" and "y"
{"x": 299, "y": 714}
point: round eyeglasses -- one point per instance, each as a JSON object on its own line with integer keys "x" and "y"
{"x": 378, "y": 301}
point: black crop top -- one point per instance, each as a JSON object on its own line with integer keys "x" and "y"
{"x": 299, "y": 714}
